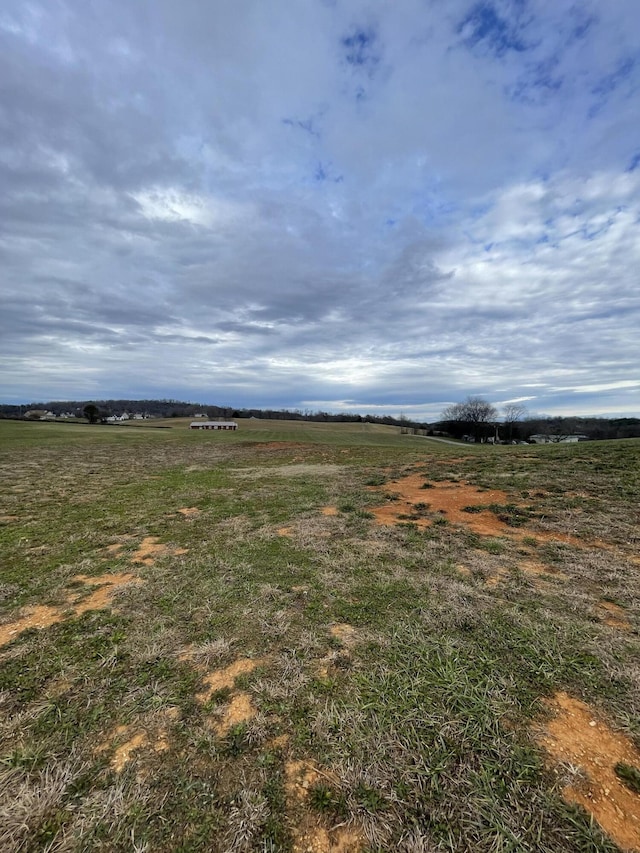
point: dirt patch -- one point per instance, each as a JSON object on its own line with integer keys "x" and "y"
{"x": 299, "y": 777}
{"x": 114, "y": 549}
{"x": 122, "y": 754}
{"x": 8, "y": 519}
{"x": 161, "y": 743}
{"x": 129, "y": 740}
{"x": 577, "y": 737}
{"x": 316, "y": 839}
{"x": 345, "y": 634}
{"x": 540, "y": 574}
{"x": 43, "y": 616}
{"x": 322, "y": 668}
{"x": 225, "y": 678}
{"x": 285, "y": 531}
{"x": 40, "y": 616}
{"x": 150, "y": 549}
{"x": 410, "y": 500}
{"x": 532, "y": 567}
{"x": 103, "y": 596}
{"x": 614, "y": 615}
{"x": 239, "y": 710}
{"x": 413, "y": 500}
{"x": 566, "y": 539}
{"x": 189, "y": 511}
{"x": 329, "y": 510}
{"x": 309, "y": 835}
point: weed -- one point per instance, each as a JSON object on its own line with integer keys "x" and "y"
{"x": 324, "y": 798}
{"x": 376, "y": 480}
{"x": 630, "y": 776}
{"x": 493, "y": 546}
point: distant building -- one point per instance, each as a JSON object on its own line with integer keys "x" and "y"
{"x": 38, "y": 415}
{"x": 558, "y": 439}
{"x": 213, "y": 425}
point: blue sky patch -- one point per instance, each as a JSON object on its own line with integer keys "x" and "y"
{"x": 611, "y": 81}
{"x": 484, "y": 24}
{"x": 360, "y": 49}
{"x": 635, "y": 162}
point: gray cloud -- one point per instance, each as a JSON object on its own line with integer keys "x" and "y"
{"x": 353, "y": 205}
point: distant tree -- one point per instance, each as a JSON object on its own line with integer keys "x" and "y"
{"x": 473, "y": 415}
{"x": 558, "y": 429}
{"x": 512, "y": 413}
{"x": 91, "y": 413}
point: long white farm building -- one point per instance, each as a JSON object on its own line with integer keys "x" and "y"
{"x": 213, "y": 425}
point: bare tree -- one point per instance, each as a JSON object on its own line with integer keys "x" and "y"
{"x": 558, "y": 429}
{"x": 512, "y": 413}
{"x": 474, "y": 413}
{"x": 454, "y": 412}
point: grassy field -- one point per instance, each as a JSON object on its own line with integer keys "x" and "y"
{"x": 314, "y": 637}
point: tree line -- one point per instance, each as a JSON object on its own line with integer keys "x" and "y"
{"x": 96, "y": 411}
{"x": 477, "y": 419}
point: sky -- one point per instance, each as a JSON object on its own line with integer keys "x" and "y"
{"x": 339, "y": 205}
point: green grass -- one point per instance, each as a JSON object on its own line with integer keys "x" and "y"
{"x": 420, "y": 717}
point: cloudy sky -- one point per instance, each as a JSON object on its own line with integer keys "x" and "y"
{"x": 357, "y": 205}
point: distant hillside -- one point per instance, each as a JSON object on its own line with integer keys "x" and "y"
{"x": 591, "y": 427}
{"x": 179, "y": 409}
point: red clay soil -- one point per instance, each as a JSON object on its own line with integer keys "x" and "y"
{"x": 447, "y": 498}
{"x": 42, "y": 616}
{"x": 578, "y": 737}
{"x": 330, "y": 510}
{"x": 309, "y": 833}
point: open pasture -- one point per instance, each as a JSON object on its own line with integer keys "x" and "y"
{"x": 316, "y": 637}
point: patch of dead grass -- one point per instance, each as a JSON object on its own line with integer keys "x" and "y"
{"x": 614, "y": 615}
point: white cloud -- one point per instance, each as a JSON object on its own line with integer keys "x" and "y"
{"x": 291, "y": 198}
{"x": 174, "y": 205}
